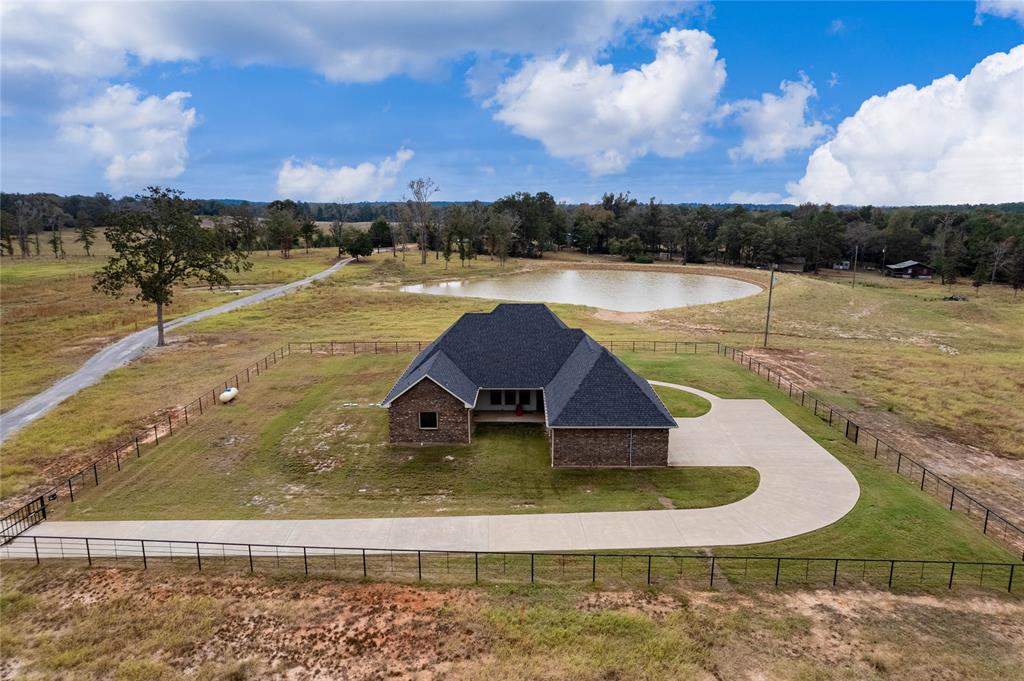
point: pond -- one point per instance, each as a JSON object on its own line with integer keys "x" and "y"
{"x": 619, "y": 290}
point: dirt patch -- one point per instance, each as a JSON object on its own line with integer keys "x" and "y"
{"x": 622, "y": 317}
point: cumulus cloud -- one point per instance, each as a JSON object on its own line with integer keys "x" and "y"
{"x": 140, "y": 139}
{"x": 953, "y": 141}
{"x": 776, "y": 124}
{"x": 341, "y": 41}
{"x": 584, "y": 111}
{"x": 1008, "y": 9}
{"x": 364, "y": 182}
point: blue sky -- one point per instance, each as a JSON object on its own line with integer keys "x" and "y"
{"x": 335, "y": 101}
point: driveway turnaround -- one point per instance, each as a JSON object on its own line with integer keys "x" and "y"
{"x": 125, "y": 350}
{"x": 802, "y": 488}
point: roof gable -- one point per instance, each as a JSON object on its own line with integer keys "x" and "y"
{"x": 525, "y": 346}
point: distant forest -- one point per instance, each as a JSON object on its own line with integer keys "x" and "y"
{"x": 985, "y": 243}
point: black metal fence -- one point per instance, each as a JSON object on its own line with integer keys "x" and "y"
{"x": 989, "y": 521}
{"x": 134, "y": 446}
{"x": 468, "y": 567}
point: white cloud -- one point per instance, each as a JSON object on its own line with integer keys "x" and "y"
{"x": 364, "y": 182}
{"x": 836, "y": 27}
{"x": 140, "y": 139}
{"x": 343, "y": 41}
{"x": 755, "y": 197}
{"x": 584, "y": 111}
{"x": 953, "y": 141}
{"x": 776, "y": 125}
{"x": 833, "y": 80}
{"x": 1008, "y": 9}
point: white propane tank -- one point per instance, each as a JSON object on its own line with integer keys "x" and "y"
{"x": 228, "y": 395}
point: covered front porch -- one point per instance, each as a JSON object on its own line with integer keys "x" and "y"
{"x": 509, "y": 406}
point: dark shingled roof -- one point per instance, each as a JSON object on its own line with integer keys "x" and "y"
{"x": 525, "y": 346}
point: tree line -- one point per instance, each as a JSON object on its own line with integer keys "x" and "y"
{"x": 984, "y": 243}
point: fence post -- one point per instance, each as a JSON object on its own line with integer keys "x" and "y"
{"x": 892, "y": 567}
{"x": 531, "y": 568}
{"x": 923, "y": 471}
{"x": 364, "y": 563}
{"x": 249, "y": 546}
{"x": 71, "y": 489}
{"x": 984, "y": 529}
{"x": 648, "y": 568}
{"x": 899, "y": 461}
{"x": 88, "y": 553}
{"x": 35, "y": 545}
{"x": 145, "y": 562}
{"x": 199, "y": 560}
{"x": 305, "y": 561}
{"x": 419, "y": 565}
{"x": 593, "y": 568}
{"x": 712, "y": 572}
{"x": 952, "y": 567}
{"x": 117, "y": 458}
{"x": 778, "y": 567}
{"x": 95, "y": 473}
{"x": 156, "y": 435}
{"x": 42, "y": 506}
{"x": 186, "y": 414}
{"x": 952, "y": 493}
{"x": 170, "y": 428}
{"x": 835, "y": 573}
{"x": 137, "y": 452}
{"x": 876, "y": 447}
{"x": 1009, "y": 585}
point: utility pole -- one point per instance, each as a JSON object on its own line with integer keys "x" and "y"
{"x": 856, "y": 252}
{"x": 768, "y": 317}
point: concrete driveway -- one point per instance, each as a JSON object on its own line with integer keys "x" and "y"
{"x": 121, "y": 352}
{"x": 802, "y": 488}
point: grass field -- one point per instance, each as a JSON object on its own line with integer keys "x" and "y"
{"x": 159, "y": 625}
{"x": 307, "y": 440}
{"x": 875, "y": 349}
{"x": 52, "y": 320}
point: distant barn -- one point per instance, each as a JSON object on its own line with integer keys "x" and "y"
{"x": 909, "y": 269}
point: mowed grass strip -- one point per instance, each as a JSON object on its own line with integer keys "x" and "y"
{"x": 307, "y": 439}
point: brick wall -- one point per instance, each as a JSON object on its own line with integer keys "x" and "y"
{"x": 609, "y": 447}
{"x": 453, "y": 423}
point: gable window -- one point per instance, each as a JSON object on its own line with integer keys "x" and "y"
{"x": 428, "y": 420}
{"x": 510, "y": 398}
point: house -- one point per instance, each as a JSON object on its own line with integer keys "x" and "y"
{"x": 909, "y": 269}
{"x": 521, "y": 363}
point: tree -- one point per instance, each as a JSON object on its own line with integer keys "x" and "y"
{"x": 280, "y": 225}
{"x": 629, "y": 248}
{"x": 245, "y": 225}
{"x": 7, "y": 222}
{"x": 356, "y": 242}
{"x": 1015, "y": 267}
{"x": 86, "y": 231}
{"x": 307, "y": 231}
{"x": 160, "y": 245}
{"x": 56, "y": 242}
{"x": 1001, "y": 251}
{"x": 947, "y": 250}
{"x": 422, "y": 210}
{"x": 380, "y": 232}
{"x": 338, "y": 233}
{"x": 501, "y": 232}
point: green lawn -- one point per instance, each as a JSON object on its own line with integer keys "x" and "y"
{"x": 307, "y": 440}
{"x": 682, "y": 404}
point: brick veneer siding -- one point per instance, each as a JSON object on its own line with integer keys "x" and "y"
{"x": 609, "y": 447}
{"x": 453, "y": 419}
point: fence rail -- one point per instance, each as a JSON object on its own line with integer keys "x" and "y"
{"x": 986, "y": 519}
{"x": 521, "y": 567}
{"x": 134, "y": 446}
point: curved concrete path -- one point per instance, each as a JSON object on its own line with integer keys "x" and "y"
{"x": 125, "y": 350}
{"x": 802, "y": 488}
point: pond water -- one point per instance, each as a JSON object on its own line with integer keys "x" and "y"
{"x": 619, "y": 290}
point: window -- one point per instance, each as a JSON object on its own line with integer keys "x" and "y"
{"x": 428, "y": 420}
{"x": 524, "y": 398}
{"x": 495, "y": 398}
{"x": 510, "y": 398}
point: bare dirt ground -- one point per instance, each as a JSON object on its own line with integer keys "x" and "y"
{"x": 129, "y": 624}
